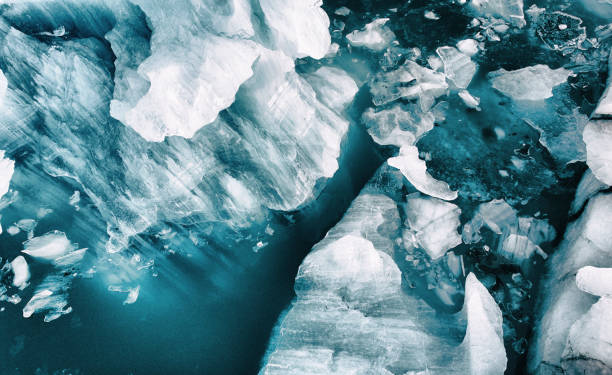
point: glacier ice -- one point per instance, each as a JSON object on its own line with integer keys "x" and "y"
{"x": 530, "y": 83}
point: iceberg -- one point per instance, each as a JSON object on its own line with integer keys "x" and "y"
{"x": 415, "y": 171}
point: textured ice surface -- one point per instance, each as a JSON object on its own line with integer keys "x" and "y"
{"x": 530, "y": 83}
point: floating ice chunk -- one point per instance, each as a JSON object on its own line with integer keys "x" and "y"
{"x": 433, "y": 222}
{"x": 301, "y": 28}
{"x": 530, "y": 83}
{"x": 468, "y": 47}
{"x": 469, "y": 100}
{"x": 590, "y": 339}
{"x": 431, "y": 15}
{"x": 415, "y": 171}
{"x": 397, "y": 125}
{"x": 342, "y": 11}
{"x": 21, "y": 272}
{"x": 132, "y": 293}
{"x": 509, "y": 10}
{"x": 518, "y": 248}
{"x": 50, "y": 297}
{"x": 333, "y": 86}
{"x": 375, "y": 35}
{"x": 604, "y": 107}
{"x": 594, "y": 280}
{"x": 49, "y": 246}
{"x": 597, "y": 136}
{"x": 589, "y": 185}
{"x": 458, "y": 67}
{"x": 7, "y": 167}
{"x": 484, "y": 340}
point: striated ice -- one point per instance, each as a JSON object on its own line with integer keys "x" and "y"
{"x": 594, "y": 280}
{"x": 509, "y": 10}
{"x": 50, "y": 246}
{"x": 433, "y": 224}
{"x": 21, "y": 272}
{"x": 300, "y": 27}
{"x": 484, "y": 340}
{"x": 530, "y": 83}
{"x": 7, "y": 168}
{"x": 375, "y": 35}
{"x": 415, "y": 171}
{"x": 458, "y": 67}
